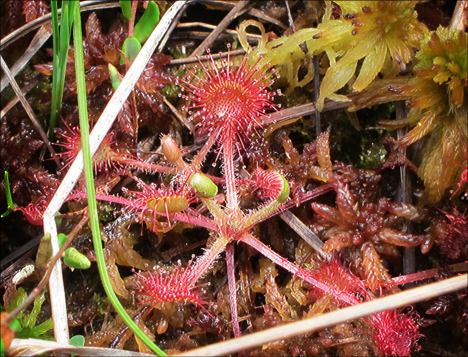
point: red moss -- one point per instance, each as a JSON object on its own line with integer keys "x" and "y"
{"x": 335, "y": 275}
{"x": 452, "y": 236}
{"x": 34, "y": 9}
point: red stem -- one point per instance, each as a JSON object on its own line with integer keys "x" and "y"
{"x": 231, "y": 273}
{"x": 206, "y": 260}
{"x": 144, "y": 165}
{"x": 131, "y": 21}
{"x": 294, "y": 269}
{"x": 200, "y": 221}
{"x": 196, "y": 163}
{"x": 426, "y": 274}
{"x": 229, "y": 174}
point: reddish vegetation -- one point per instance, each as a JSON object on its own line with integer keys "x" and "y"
{"x": 145, "y": 174}
{"x": 396, "y": 334}
{"x": 161, "y": 285}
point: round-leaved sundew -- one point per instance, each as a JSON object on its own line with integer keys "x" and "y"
{"x": 228, "y": 98}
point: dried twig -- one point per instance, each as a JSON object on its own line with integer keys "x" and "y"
{"x": 221, "y": 4}
{"x": 404, "y": 187}
{"x": 290, "y": 19}
{"x": 460, "y": 15}
{"x": 180, "y": 61}
{"x": 302, "y": 110}
{"x": 15, "y": 100}
{"x": 305, "y": 233}
{"x": 236, "y": 11}
{"x": 39, "y": 39}
{"x": 178, "y": 115}
{"x": 29, "y": 111}
{"x": 174, "y": 24}
{"x": 250, "y": 37}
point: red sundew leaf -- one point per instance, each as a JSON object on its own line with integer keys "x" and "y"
{"x": 163, "y": 284}
{"x": 270, "y": 183}
{"x": 335, "y": 275}
{"x": 34, "y": 211}
{"x": 396, "y": 334}
{"x": 103, "y": 159}
{"x": 159, "y": 201}
{"x": 228, "y": 97}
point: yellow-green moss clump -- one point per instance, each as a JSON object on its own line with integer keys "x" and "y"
{"x": 438, "y": 104}
{"x": 382, "y": 33}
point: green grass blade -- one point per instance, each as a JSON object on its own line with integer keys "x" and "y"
{"x": 61, "y": 41}
{"x": 89, "y": 180}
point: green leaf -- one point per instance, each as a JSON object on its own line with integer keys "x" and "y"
{"x": 15, "y": 325}
{"x": 17, "y": 301}
{"x": 11, "y": 205}
{"x": 39, "y": 330}
{"x": 130, "y": 48}
{"x": 126, "y": 6}
{"x": 77, "y": 341}
{"x": 30, "y": 321}
{"x": 147, "y": 23}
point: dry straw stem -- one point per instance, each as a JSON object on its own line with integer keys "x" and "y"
{"x": 15, "y": 100}
{"x": 39, "y": 39}
{"x": 459, "y": 15}
{"x": 56, "y": 289}
{"x": 223, "y": 4}
{"x": 34, "y": 347}
{"x": 28, "y": 109}
{"x": 332, "y": 318}
{"x": 305, "y": 233}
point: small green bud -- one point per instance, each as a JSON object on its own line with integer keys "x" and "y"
{"x": 61, "y": 238}
{"x": 74, "y": 259}
{"x": 203, "y": 185}
{"x": 170, "y": 149}
{"x": 114, "y": 76}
